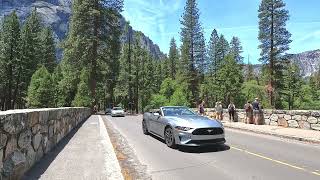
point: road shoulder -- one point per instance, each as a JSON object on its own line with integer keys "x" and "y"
{"x": 130, "y": 165}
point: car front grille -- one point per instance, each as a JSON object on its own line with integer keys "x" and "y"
{"x": 210, "y": 141}
{"x": 208, "y": 131}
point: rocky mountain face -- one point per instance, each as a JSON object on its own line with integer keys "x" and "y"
{"x": 308, "y": 62}
{"x": 56, "y": 13}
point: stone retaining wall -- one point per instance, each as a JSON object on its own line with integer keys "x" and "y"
{"x": 27, "y": 135}
{"x": 286, "y": 118}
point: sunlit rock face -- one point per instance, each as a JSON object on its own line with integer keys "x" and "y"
{"x": 56, "y": 13}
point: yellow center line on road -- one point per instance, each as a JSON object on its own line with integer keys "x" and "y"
{"x": 276, "y": 161}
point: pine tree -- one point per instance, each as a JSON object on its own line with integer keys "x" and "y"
{"x": 48, "y": 57}
{"x": 30, "y": 48}
{"x": 40, "y": 91}
{"x": 173, "y": 58}
{"x": 10, "y": 63}
{"x": 274, "y": 38}
{"x": 93, "y": 32}
{"x": 236, "y": 49}
{"x": 83, "y": 97}
{"x": 191, "y": 33}
{"x": 212, "y": 52}
{"x": 222, "y": 50}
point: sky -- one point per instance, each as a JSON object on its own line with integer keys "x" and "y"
{"x": 160, "y": 21}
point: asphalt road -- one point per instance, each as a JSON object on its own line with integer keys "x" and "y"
{"x": 245, "y": 156}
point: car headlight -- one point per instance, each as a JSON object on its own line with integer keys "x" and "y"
{"x": 181, "y": 128}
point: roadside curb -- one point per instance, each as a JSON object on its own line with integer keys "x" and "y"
{"x": 309, "y": 140}
{"x": 112, "y": 165}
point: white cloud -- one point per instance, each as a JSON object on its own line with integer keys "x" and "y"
{"x": 151, "y": 17}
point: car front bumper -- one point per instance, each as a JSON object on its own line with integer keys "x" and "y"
{"x": 186, "y": 138}
{"x": 118, "y": 114}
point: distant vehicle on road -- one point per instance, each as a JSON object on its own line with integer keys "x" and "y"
{"x": 179, "y": 125}
{"x": 108, "y": 111}
{"x": 117, "y": 111}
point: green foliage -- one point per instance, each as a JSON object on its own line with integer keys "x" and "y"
{"x": 236, "y": 49}
{"x": 251, "y": 90}
{"x": 230, "y": 79}
{"x": 275, "y": 40}
{"x": 40, "y": 91}
{"x": 48, "y": 49}
{"x": 83, "y": 97}
{"x": 11, "y": 66}
{"x": 173, "y": 58}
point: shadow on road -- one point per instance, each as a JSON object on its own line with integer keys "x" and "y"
{"x": 41, "y": 166}
{"x": 205, "y": 149}
{"x": 202, "y": 149}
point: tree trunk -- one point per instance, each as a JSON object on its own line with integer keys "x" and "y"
{"x": 93, "y": 82}
{"x": 271, "y": 63}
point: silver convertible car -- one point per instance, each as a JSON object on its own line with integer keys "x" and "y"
{"x": 181, "y": 126}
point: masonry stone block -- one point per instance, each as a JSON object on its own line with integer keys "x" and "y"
{"x": 287, "y": 117}
{"x": 1, "y": 158}
{"x": 293, "y": 123}
{"x": 282, "y": 122}
{"x": 30, "y": 157}
{"x": 304, "y": 125}
{"x": 33, "y": 118}
{"x": 36, "y": 128}
{"x": 267, "y": 121}
{"x": 25, "y": 139}
{"x": 315, "y": 127}
{"x": 43, "y": 117}
{"x": 312, "y": 120}
{"x": 14, "y": 166}
{"x": 11, "y": 146}
{"x": 315, "y": 113}
{"x": 304, "y": 118}
{"x": 36, "y": 141}
{"x": 14, "y": 123}
{"x": 297, "y": 117}
{"x": 274, "y": 117}
{"x": 3, "y": 139}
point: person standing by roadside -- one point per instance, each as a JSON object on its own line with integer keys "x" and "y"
{"x": 201, "y": 108}
{"x": 231, "y": 110}
{"x": 249, "y": 110}
{"x": 219, "y": 110}
{"x": 256, "y": 110}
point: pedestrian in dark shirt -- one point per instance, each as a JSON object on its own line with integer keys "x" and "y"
{"x": 231, "y": 110}
{"x": 256, "y": 110}
{"x": 201, "y": 108}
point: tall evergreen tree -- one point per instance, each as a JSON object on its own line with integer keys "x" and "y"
{"x": 48, "y": 56}
{"x": 274, "y": 38}
{"x": 212, "y": 52}
{"x": 191, "y": 33}
{"x": 93, "y": 26}
{"x": 222, "y": 50}
{"x": 83, "y": 98}
{"x": 10, "y": 62}
{"x": 236, "y": 49}
{"x": 173, "y": 58}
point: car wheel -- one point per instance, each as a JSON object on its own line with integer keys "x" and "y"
{"x": 169, "y": 138}
{"x": 145, "y": 128}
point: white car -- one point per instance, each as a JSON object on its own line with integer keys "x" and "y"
{"x": 117, "y": 111}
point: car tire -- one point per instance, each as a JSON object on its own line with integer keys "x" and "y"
{"x": 145, "y": 128}
{"x": 169, "y": 138}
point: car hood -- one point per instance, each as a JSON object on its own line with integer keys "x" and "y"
{"x": 194, "y": 121}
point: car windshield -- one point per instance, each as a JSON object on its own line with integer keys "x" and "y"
{"x": 117, "y": 108}
{"x": 177, "y": 111}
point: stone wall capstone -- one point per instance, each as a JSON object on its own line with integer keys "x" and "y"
{"x": 27, "y": 135}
